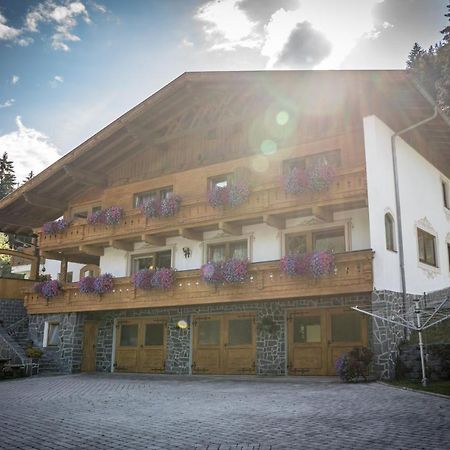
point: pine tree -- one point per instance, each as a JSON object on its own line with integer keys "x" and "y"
{"x": 7, "y": 176}
{"x": 28, "y": 177}
{"x": 431, "y": 68}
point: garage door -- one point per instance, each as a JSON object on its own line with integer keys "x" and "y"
{"x": 318, "y": 337}
{"x": 224, "y": 344}
{"x": 141, "y": 345}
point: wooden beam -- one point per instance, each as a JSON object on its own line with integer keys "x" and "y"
{"x": 230, "y": 228}
{"x": 274, "y": 221}
{"x": 191, "y": 234}
{"x": 153, "y": 239}
{"x": 322, "y": 213}
{"x": 91, "y": 250}
{"x": 121, "y": 245}
{"x": 51, "y": 255}
{"x": 86, "y": 176}
{"x": 44, "y": 202}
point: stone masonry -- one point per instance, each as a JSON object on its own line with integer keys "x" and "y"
{"x": 11, "y": 311}
{"x": 271, "y": 358}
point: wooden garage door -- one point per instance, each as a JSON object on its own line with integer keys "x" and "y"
{"x": 224, "y": 344}
{"x": 141, "y": 345}
{"x": 317, "y": 337}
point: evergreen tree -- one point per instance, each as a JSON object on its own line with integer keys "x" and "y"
{"x": 29, "y": 176}
{"x": 7, "y": 176}
{"x": 431, "y": 68}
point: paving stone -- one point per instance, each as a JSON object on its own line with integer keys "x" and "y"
{"x": 107, "y": 411}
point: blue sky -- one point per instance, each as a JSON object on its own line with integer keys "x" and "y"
{"x": 70, "y": 67}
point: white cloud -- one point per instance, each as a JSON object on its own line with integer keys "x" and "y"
{"x": 29, "y": 149}
{"x": 64, "y": 17}
{"x": 56, "y": 81}
{"x": 227, "y": 27}
{"x": 15, "y": 79}
{"x": 186, "y": 43}
{"x": 7, "y": 103}
{"x": 8, "y": 33}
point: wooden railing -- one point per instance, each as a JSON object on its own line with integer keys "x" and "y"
{"x": 348, "y": 186}
{"x": 14, "y": 287}
{"x": 353, "y": 273}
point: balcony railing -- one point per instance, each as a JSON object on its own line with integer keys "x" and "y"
{"x": 349, "y": 186}
{"x": 353, "y": 273}
{"x": 14, "y": 287}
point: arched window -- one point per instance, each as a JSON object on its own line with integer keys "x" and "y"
{"x": 389, "y": 230}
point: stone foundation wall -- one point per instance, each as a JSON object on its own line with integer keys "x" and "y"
{"x": 67, "y": 354}
{"x": 270, "y": 348}
{"x": 388, "y": 337}
{"x": 11, "y": 311}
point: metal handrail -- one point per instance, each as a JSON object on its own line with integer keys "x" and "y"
{"x": 10, "y": 329}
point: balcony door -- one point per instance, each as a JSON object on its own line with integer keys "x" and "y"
{"x": 224, "y": 344}
{"x": 141, "y": 345}
{"x": 317, "y": 337}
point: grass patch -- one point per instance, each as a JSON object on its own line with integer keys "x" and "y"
{"x": 438, "y": 387}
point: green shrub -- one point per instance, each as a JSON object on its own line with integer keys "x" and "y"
{"x": 355, "y": 364}
{"x": 34, "y": 352}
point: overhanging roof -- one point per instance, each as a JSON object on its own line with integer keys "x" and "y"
{"x": 391, "y": 95}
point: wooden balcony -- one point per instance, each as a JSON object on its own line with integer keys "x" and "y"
{"x": 14, "y": 287}
{"x": 347, "y": 191}
{"x": 353, "y": 273}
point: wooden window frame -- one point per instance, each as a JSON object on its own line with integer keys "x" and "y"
{"x": 148, "y": 255}
{"x": 158, "y": 193}
{"x": 445, "y": 193}
{"x": 82, "y": 212}
{"x": 389, "y": 245}
{"x": 448, "y": 255}
{"x": 47, "y": 334}
{"x": 213, "y": 181}
{"x": 227, "y": 245}
{"x": 427, "y": 234}
{"x": 309, "y": 233}
{"x": 309, "y": 161}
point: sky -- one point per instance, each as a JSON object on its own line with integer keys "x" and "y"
{"x": 70, "y": 67}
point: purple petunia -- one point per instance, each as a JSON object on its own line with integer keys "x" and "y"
{"x": 48, "y": 289}
{"x": 103, "y": 284}
{"x": 238, "y": 194}
{"x": 108, "y": 216}
{"x": 235, "y": 270}
{"x": 211, "y": 272}
{"x": 143, "y": 279}
{"x": 163, "y": 278}
{"x": 86, "y": 285}
{"x": 219, "y": 196}
{"x": 57, "y": 226}
{"x": 316, "y": 264}
{"x": 298, "y": 180}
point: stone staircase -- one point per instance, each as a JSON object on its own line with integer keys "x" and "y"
{"x": 15, "y": 339}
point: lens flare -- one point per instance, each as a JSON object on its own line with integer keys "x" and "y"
{"x": 282, "y": 118}
{"x": 260, "y": 163}
{"x": 268, "y": 147}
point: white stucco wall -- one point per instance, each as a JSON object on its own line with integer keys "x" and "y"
{"x": 421, "y": 204}
{"x": 52, "y": 267}
{"x": 265, "y": 243}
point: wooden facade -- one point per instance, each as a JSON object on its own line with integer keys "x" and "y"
{"x": 353, "y": 274}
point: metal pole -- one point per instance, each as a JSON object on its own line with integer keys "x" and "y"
{"x": 422, "y": 357}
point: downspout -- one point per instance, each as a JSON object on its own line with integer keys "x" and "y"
{"x": 397, "y": 200}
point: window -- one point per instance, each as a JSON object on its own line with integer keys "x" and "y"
{"x": 389, "y": 230}
{"x": 333, "y": 158}
{"x": 448, "y": 254}
{"x": 151, "y": 261}
{"x": 53, "y": 334}
{"x": 82, "y": 213}
{"x": 219, "y": 181}
{"x": 427, "y": 247}
{"x": 227, "y": 250}
{"x": 157, "y": 194}
{"x": 332, "y": 239}
{"x": 445, "y": 194}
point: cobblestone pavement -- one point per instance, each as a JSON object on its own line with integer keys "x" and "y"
{"x": 103, "y": 411}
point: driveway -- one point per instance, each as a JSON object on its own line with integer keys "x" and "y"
{"x": 104, "y": 411}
